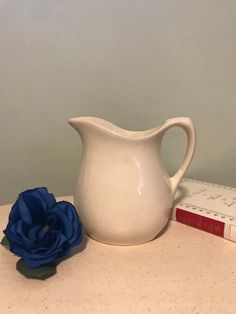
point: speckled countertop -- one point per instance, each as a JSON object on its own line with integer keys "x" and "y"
{"x": 183, "y": 271}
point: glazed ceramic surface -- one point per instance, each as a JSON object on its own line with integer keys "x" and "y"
{"x": 124, "y": 194}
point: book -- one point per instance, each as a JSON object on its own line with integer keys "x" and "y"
{"x": 206, "y": 206}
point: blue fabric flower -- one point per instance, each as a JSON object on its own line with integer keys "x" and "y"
{"x": 41, "y": 230}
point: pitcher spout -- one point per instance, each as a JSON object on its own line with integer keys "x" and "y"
{"x": 85, "y": 125}
{"x": 76, "y": 124}
{"x": 91, "y": 125}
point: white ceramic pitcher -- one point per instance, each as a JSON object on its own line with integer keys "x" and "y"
{"x": 124, "y": 194}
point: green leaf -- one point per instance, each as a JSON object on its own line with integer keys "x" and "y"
{"x": 5, "y": 242}
{"x": 41, "y": 273}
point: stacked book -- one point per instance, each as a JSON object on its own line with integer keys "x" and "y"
{"x": 206, "y": 206}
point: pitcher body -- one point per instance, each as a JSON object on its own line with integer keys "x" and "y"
{"x": 124, "y": 194}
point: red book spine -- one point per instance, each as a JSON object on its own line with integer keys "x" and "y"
{"x": 200, "y": 222}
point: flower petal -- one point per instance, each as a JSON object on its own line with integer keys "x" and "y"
{"x": 36, "y": 260}
{"x": 13, "y": 239}
{"x": 19, "y": 230}
{"x": 24, "y": 211}
{"x": 36, "y": 205}
{"x": 14, "y": 214}
{"x": 48, "y": 197}
{"x": 33, "y": 233}
{"x": 61, "y": 212}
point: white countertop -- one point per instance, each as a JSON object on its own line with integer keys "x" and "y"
{"x": 185, "y": 270}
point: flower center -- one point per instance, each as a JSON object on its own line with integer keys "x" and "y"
{"x": 46, "y": 227}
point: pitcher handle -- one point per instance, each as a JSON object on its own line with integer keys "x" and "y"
{"x": 187, "y": 125}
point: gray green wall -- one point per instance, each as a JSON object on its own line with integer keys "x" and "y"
{"x": 135, "y": 63}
